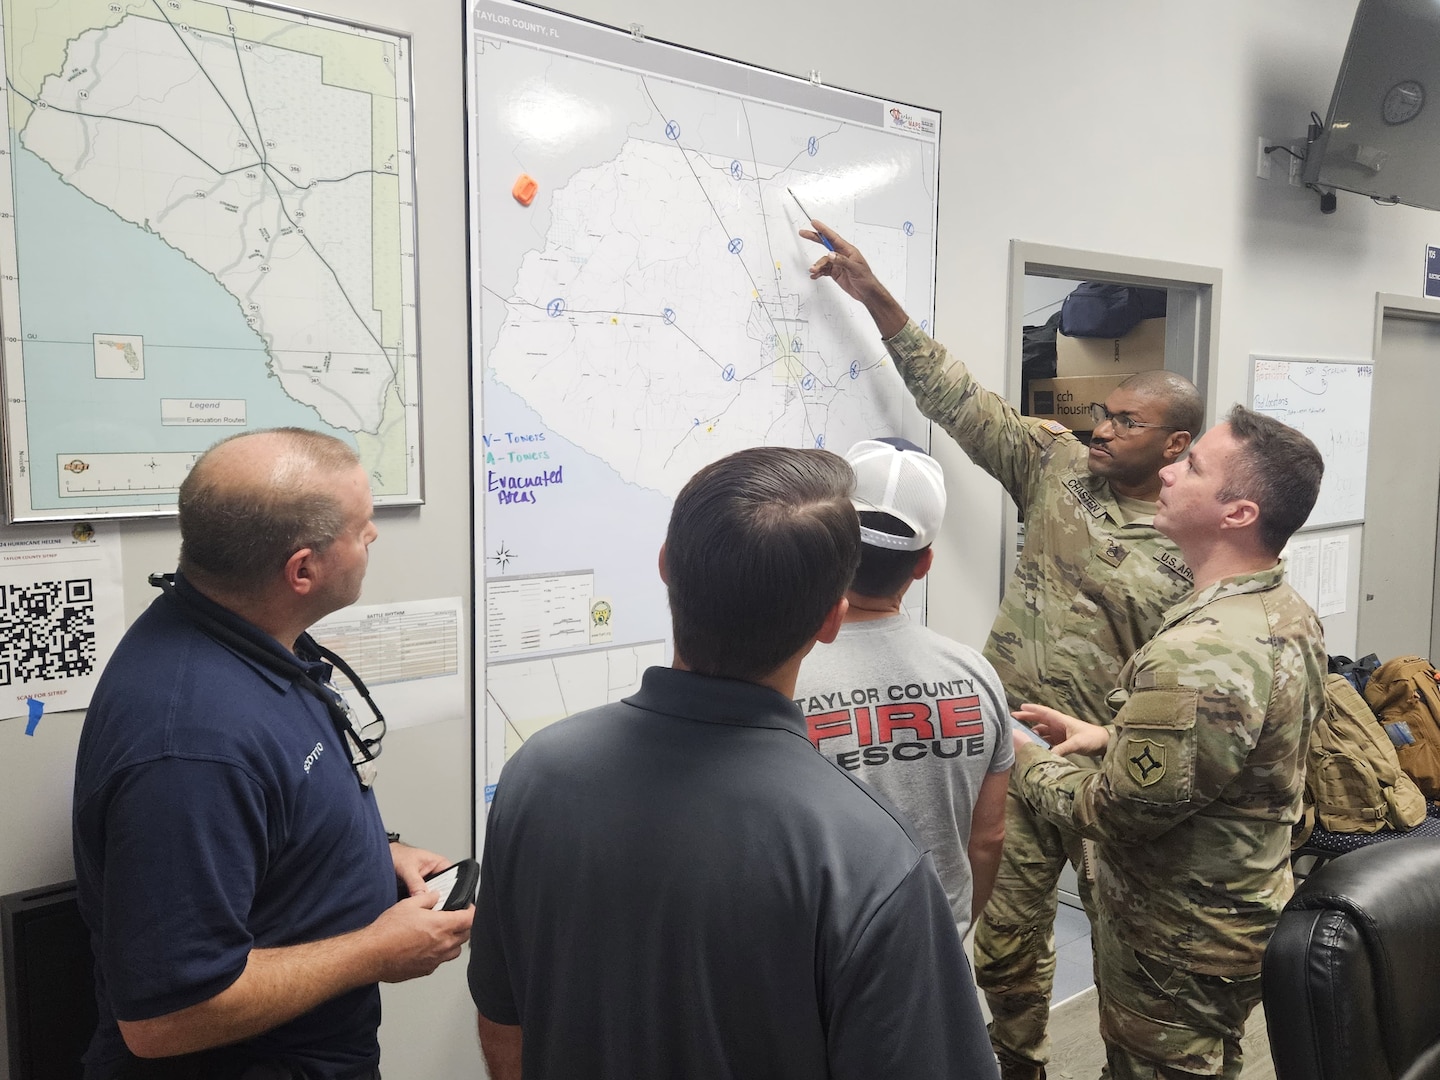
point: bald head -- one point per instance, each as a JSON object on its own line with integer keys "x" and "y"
{"x": 253, "y": 500}
{"x": 1179, "y": 399}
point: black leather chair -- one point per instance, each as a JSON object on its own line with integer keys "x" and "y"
{"x": 1352, "y": 976}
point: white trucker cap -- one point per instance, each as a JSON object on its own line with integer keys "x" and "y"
{"x": 896, "y": 477}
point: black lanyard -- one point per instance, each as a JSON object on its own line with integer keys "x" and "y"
{"x": 363, "y": 750}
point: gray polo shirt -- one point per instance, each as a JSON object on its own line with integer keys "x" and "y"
{"x": 678, "y": 885}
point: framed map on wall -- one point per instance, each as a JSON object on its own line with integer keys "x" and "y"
{"x": 641, "y": 307}
{"x": 207, "y": 226}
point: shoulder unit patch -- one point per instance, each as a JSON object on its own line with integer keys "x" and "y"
{"x": 1144, "y": 761}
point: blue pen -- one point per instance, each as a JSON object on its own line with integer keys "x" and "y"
{"x": 823, "y": 238}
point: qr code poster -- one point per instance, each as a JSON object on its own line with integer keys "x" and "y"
{"x": 61, "y": 614}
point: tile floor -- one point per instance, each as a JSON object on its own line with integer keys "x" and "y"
{"x": 1074, "y": 972}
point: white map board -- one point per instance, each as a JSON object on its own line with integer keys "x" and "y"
{"x": 1330, "y": 402}
{"x": 207, "y": 225}
{"x": 650, "y": 311}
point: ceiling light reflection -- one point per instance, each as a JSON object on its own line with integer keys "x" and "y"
{"x": 537, "y": 112}
{"x": 848, "y": 185}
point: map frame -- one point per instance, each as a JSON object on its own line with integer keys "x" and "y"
{"x": 556, "y": 605}
{"x": 393, "y": 452}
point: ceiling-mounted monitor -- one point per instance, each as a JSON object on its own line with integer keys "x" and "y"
{"x": 1382, "y": 133}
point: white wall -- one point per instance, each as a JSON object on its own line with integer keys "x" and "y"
{"x": 1122, "y": 126}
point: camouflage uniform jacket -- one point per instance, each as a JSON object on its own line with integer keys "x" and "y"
{"x": 1089, "y": 589}
{"x": 1193, "y": 803}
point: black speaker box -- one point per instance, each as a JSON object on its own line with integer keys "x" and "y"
{"x": 49, "y": 983}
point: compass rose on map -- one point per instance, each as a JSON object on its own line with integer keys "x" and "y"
{"x": 502, "y": 557}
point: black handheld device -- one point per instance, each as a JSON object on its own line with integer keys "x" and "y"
{"x": 456, "y": 884}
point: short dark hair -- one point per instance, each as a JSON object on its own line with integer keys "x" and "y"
{"x": 1278, "y": 469}
{"x": 1182, "y": 406}
{"x": 761, "y": 546}
{"x": 240, "y": 534}
{"x": 883, "y": 572}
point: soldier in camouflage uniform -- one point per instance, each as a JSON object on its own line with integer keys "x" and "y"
{"x": 1203, "y": 771}
{"x": 1090, "y": 588}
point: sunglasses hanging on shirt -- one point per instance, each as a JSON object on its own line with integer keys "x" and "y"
{"x": 363, "y": 741}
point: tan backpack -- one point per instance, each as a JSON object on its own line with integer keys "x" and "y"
{"x": 1354, "y": 776}
{"x": 1405, "y": 695}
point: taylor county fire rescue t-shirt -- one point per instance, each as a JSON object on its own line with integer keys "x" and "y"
{"x": 920, "y": 718}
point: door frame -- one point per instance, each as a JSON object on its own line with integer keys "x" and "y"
{"x": 1417, "y": 309}
{"x": 1192, "y": 324}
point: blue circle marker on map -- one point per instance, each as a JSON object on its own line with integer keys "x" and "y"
{"x": 909, "y": 228}
{"x": 672, "y": 130}
{"x": 925, "y": 325}
{"x": 737, "y": 170}
{"x": 729, "y": 373}
{"x": 807, "y": 383}
{"x": 669, "y": 316}
{"x": 556, "y": 308}
{"x": 854, "y": 369}
{"x": 736, "y": 245}
{"x": 819, "y": 442}
{"x": 796, "y": 345}
{"x": 813, "y": 146}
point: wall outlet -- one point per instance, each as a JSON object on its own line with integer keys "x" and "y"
{"x": 1284, "y": 161}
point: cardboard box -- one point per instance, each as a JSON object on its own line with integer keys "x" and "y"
{"x": 1143, "y": 349}
{"x": 1068, "y": 400}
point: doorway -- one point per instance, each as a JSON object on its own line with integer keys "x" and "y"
{"x": 1399, "y": 614}
{"x": 1041, "y": 275}
{"x": 1192, "y": 322}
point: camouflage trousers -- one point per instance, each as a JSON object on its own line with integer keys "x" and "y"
{"x": 1161, "y": 1022}
{"x": 1015, "y": 937}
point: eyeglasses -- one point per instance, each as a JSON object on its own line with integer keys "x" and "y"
{"x": 362, "y": 739}
{"x": 1124, "y": 422}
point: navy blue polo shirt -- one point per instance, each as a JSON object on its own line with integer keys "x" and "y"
{"x": 215, "y": 811}
{"x": 679, "y": 885}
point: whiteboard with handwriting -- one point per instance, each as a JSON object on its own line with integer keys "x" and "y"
{"x": 1330, "y": 402}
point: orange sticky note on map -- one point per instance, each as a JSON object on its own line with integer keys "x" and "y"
{"x": 524, "y": 189}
